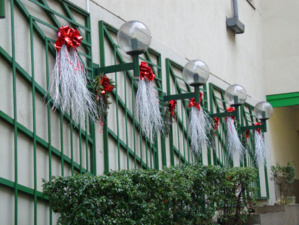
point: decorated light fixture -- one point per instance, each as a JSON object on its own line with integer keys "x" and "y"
{"x": 195, "y": 73}
{"x": 134, "y": 38}
{"x": 263, "y": 110}
{"x": 235, "y": 95}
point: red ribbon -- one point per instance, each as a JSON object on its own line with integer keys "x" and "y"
{"x": 257, "y": 124}
{"x": 146, "y": 71}
{"x": 231, "y": 109}
{"x": 216, "y": 123}
{"x": 69, "y": 36}
{"x": 171, "y": 108}
{"x": 106, "y": 85}
{"x": 197, "y": 105}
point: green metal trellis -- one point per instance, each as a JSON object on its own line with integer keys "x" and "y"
{"x": 86, "y": 136}
{"x": 219, "y": 154}
{"x": 182, "y": 151}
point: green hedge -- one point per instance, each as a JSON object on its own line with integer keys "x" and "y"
{"x": 179, "y": 195}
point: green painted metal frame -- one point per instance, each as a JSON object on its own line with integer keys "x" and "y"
{"x": 282, "y": 100}
{"x": 105, "y": 35}
{"x": 37, "y": 90}
{"x": 246, "y": 119}
{"x": 183, "y": 94}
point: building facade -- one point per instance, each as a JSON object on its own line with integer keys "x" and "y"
{"x": 38, "y": 142}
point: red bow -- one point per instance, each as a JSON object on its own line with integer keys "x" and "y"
{"x": 257, "y": 124}
{"x": 171, "y": 108}
{"x": 106, "y": 85}
{"x": 197, "y": 105}
{"x": 231, "y": 109}
{"x": 146, "y": 71}
{"x": 69, "y": 36}
{"x": 216, "y": 123}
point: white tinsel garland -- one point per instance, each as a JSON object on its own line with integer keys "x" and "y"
{"x": 68, "y": 86}
{"x": 260, "y": 148}
{"x": 147, "y": 109}
{"x": 199, "y": 127}
{"x": 233, "y": 142}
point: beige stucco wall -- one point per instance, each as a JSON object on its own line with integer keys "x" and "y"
{"x": 281, "y": 48}
{"x": 285, "y": 136}
{"x": 196, "y": 29}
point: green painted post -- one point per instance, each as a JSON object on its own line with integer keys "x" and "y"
{"x": 105, "y": 127}
{"x": 2, "y": 9}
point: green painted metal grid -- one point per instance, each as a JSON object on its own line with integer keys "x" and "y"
{"x": 248, "y": 119}
{"x": 184, "y": 154}
{"x": 220, "y": 152}
{"x": 151, "y": 158}
{"x": 37, "y": 90}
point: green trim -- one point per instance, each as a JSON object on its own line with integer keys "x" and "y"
{"x": 2, "y": 9}
{"x": 281, "y": 100}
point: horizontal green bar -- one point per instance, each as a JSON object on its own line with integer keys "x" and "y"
{"x": 282, "y": 100}
{"x": 224, "y": 114}
{"x": 21, "y": 188}
{"x": 178, "y": 96}
{"x": 114, "y": 68}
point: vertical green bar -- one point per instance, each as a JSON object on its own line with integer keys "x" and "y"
{"x": 93, "y": 155}
{"x": 61, "y": 143}
{"x": 15, "y": 112}
{"x": 49, "y": 122}
{"x": 105, "y": 127}
{"x": 72, "y": 146}
{"x": 2, "y": 9}
{"x": 34, "y": 120}
{"x": 170, "y": 133}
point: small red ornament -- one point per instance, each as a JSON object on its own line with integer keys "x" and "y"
{"x": 257, "y": 124}
{"x": 171, "y": 108}
{"x": 216, "y": 123}
{"x": 146, "y": 71}
{"x": 106, "y": 85}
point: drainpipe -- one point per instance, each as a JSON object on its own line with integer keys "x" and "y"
{"x": 233, "y": 23}
{"x": 2, "y": 9}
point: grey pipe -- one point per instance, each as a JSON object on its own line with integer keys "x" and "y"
{"x": 235, "y": 6}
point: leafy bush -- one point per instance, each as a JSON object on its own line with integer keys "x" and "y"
{"x": 178, "y": 195}
{"x": 284, "y": 176}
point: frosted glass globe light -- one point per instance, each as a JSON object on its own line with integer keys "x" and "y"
{"x": 196, "y": 73}
{"x": 263, "y": 110}
{"x": 235, "y": 95}
{"x": 134, "y": 37}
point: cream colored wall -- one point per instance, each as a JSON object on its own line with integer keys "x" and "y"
{"x": 281, "y": 48}
{"x": 285, "y": 136}
{"x": 196, "y": 29}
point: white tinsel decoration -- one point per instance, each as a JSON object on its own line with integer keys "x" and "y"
{"x": 199, "y": 127}
{"x": 147, "y": 109}
{"x": 68, "y": 86}
{"x": 234, "y": 144}
{"x": 260, "y": 148}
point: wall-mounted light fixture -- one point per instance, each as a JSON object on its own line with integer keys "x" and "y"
{"x": 195, "y": 73}
{"x": 2, "y": 9}
{"x": 134, "y": 38}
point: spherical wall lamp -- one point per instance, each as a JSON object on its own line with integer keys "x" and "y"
{"x": 263, "y": 110}
{"x": 196, "y": 73}
{"x": 235, "y": 95}
{"x": 134, "y": 37}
